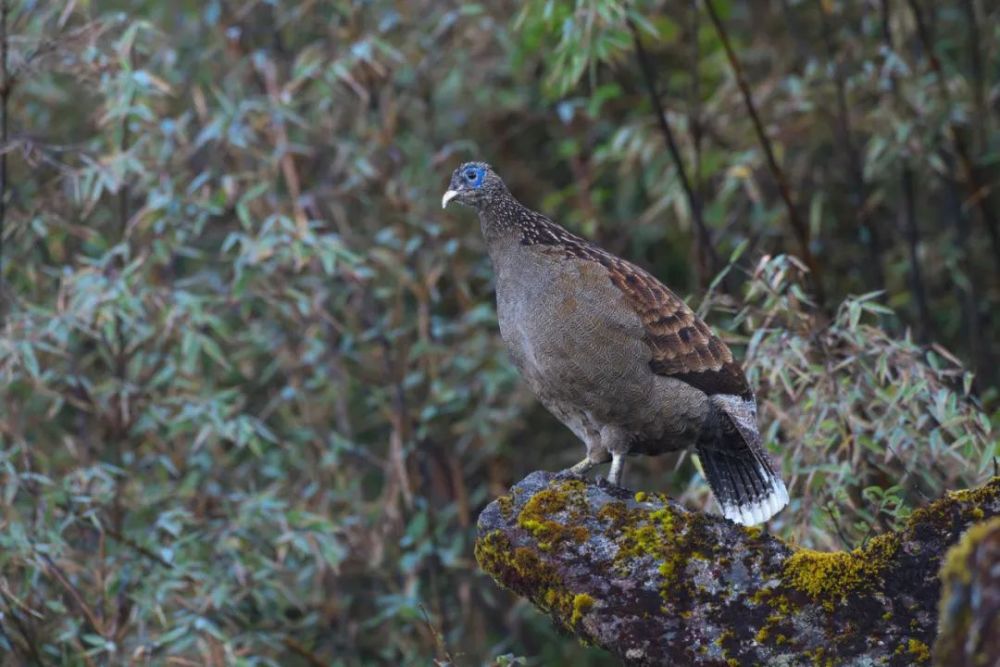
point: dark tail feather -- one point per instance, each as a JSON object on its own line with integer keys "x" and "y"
{"x": 742, "y": 479}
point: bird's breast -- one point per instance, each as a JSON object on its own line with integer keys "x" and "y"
{"x": 568, "y": 328}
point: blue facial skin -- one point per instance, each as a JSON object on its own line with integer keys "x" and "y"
{"x": 473, "y": 176}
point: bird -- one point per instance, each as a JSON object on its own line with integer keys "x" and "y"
{"x": 615, "y": 355}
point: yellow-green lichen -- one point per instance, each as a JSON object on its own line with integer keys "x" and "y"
{"x": 818, "y": 658}
{"x": 979, "y": 495}
{"x": 654, "y": 534}
{"x": 919, "y": 650}
{"x": 939, "y": 512}
{"x": 672, "y": 539}
{"x": 640, "y": 497}
{"x": 650, "y": 537}
{"x": 830, "y": 577}
{"x": 582, "y": 603}
{"x": 521, "y": 570}
{"x": 506, "y": 505}
{"x": 723, "y": 636}
{"x": 615, "y": 513}
{"x": 535, "y": 516}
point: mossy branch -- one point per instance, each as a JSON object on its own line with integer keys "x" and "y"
{"x": 655, "y": 584}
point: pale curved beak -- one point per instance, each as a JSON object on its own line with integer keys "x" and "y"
{"x": 448, "y": 196}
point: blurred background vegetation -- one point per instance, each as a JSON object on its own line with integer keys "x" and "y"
{"x": 253, "y": 392}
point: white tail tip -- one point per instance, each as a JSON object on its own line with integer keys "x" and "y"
{"x": 751, "y": 514}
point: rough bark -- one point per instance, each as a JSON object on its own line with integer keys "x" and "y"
{"x": 654, "y": 584}
{"x": 970, "y": 602}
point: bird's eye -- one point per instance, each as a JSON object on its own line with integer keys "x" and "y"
{"x": 470, "y": 175}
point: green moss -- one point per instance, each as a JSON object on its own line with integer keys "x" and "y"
{"x": 582, "y": 603}
{"x": 830, "y": 577}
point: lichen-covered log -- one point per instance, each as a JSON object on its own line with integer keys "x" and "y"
{"x": 655, "y": 584}
{"x": 970, "y": 602}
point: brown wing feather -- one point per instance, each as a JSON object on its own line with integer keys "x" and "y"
{"x": 682, "y": 344}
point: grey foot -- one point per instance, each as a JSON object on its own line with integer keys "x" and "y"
{"x": 576, "y": 471}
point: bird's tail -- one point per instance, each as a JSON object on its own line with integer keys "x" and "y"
{"x": 739, "y": 470}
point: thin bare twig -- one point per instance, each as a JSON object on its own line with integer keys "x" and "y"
{"x": 74, "y": 593}
{"x": 925, "y": 327}
{"x": 799, "y": 227}
{"x": 438, "y": 637}
{"x": 138, "y": 548}
{"x": 982, "y": 115}
{"x": 29, "y": 639}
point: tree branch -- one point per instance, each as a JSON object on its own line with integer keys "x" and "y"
{"x": 654, "y": 584}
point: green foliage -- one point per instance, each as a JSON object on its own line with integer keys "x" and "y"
{"x": 869, "y": 426}
{"x": 254, "y": 396}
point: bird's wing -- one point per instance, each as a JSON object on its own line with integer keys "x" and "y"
{"x": 682, "y": 344}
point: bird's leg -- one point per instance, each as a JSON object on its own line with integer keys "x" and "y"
{"x": 617, "y": 467}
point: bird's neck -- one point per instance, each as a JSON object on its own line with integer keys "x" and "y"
{"x": 504, "y": 220}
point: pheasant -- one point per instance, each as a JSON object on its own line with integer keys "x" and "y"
{"x": 616, "y": 356}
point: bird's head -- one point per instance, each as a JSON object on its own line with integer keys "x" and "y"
{"x": 473, "y": 184}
